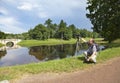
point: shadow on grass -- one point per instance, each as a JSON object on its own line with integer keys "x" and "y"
{"x": 85, "y": 62}
{"x": 110, "y": 45}
{"x": 115, "y": 43}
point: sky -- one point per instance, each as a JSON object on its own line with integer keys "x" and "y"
{"x": 18, "y": 16}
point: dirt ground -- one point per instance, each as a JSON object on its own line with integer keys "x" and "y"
{"x": 108, "y": 72}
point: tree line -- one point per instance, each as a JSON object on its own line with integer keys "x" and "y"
{"x": 53, "y": 30}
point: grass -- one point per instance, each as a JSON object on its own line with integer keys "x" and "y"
{"x": 1, "y": 45}
{"x": 58, "y": 66}
{"x": 29, "y": 43}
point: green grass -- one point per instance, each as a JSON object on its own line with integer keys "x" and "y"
{"x": 1, "y": 45}
{"x": 58, "y": 66}
{"x": 29, "y": 43}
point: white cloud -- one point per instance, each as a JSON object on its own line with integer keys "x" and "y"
{"x": 10, "y": 24}
{"x": 21, "y": 13}
{"x": 3, "y": 11}
{"x": 60, "y": 8}
{"x": 27, "y": 6}
{"x": 48, "y": 8}
{"x": 42, "y": 15}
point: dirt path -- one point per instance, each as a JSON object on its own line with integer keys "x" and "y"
{"x": 101, "y": 73}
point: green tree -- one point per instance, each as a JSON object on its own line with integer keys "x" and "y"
{"x": 25, "y": 36}
{"x": 62, "y": 28}
{"x": 2, "y": 35}
{"x": 51, "y": 27}
{"x": 39, "y": 32}
{"x": 48, "y": 23}
{"x": 73, "y": 28}
{"x": 105, "y": 17}
{"x": 67, "y": 34}
{"x": 83, "y": 33}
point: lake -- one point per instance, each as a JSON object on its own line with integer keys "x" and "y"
{"x": 18, "y": 55}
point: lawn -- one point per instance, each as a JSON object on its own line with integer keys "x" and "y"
{"x": 58, "y": 66}
{"x": 29, "y": 43}
{"x": 1, "y": 45}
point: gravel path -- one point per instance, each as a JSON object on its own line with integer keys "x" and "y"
{"x": 108, "y": 72}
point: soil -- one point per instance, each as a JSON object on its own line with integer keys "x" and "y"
{"x": 108, "y": 72}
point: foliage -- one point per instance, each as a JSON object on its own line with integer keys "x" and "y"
{"x": 104, "y": 16}
{"x": 2, "y": 35}
{"x": 50, "y": 30}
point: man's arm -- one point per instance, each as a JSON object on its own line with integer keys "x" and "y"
{"x": 83, "y": 40}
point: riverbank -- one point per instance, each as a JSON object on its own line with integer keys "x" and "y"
{"x": 1, "y": 45}
{"x": 57, "y": 66}
{"x": 29, "y": 43}
{"x": 96, "y": 74}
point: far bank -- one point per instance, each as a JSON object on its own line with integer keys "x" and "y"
{"x": 29, "y": 43}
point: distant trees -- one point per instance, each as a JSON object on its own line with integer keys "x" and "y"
{"x": 105, "y": 17}
{"x": 40, "y": 32}
{"x": 60, "y": 31}
{"x": 51, "y": 30}
{"x": 2, "y": 35}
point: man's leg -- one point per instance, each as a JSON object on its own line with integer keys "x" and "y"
{"x": 93, "y": 58}
{"x": 86, "y": 55}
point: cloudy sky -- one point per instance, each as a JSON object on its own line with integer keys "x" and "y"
{"x": 17, "y": 16}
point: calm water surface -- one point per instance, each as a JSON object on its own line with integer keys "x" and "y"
{"x": 22, "y": 55}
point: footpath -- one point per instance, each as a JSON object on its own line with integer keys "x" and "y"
{"x": 108, "y": 72}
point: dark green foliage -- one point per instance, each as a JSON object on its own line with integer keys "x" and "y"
{"x": 67, "y": 34}
{"x": 39, "y": 32}
{"x": 105, "y": 17}
{"x": 2, "y": 35}
{"x": 51, "y": 30}
{"x": 62, "y": 29}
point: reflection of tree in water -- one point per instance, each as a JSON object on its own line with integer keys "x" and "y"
{"x": 38, "y": 52}
{"x": 3, "y": 53}
{"x": 65, "y": 50}
{"x": 52, "y": 52}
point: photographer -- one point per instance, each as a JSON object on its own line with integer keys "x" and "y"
{"x": 91, "y": 53}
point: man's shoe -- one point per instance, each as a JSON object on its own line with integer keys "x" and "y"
{"x": 94, "y": 62}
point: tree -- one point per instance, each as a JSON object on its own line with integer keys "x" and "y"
{"x": 62, "y": 28}
{"x": 67, "y": 34}
{"x": 2, "y": 35}
{"x": 105, "y": 17}
{"x": 25, "y": 36}
{"x": 73, "y": 28}
{"x": 40, "y": 32}
{"x": 48, "y": 23}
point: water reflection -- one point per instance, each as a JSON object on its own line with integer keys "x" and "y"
{"x": 2, "y": 53}
{"x": 22, "y": 55}
{"x": 52, "y": 52}
{"x": 3, "y": 50}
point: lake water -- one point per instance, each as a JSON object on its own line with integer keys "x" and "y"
{"x": 17, "y": 55}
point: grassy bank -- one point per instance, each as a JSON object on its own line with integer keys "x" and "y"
{"x": 1, "y": 45}
{"x": 29, "y": 43}
{"x": 64, "y": 65}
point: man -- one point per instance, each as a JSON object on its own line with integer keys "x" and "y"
{"x": 91, "y": 53}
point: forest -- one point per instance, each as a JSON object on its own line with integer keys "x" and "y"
{"x": 51, "y": 30}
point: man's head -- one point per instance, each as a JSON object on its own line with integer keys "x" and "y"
{"x": 91, "y": 41}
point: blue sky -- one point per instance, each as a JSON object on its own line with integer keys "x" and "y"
{"x": 17, "y": 16}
